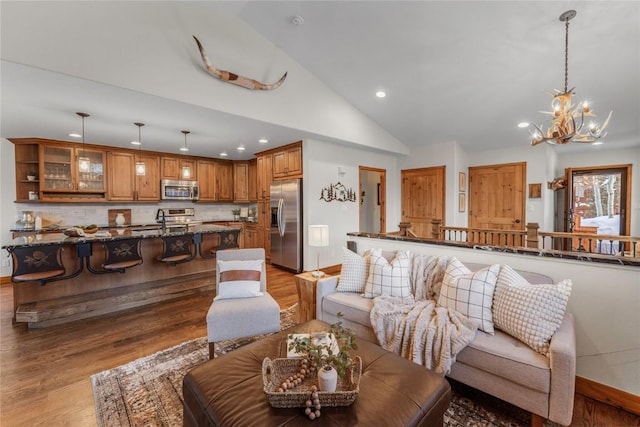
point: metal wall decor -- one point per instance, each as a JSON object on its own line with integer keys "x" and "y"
{"x": 230, "y": 77}
{"x": 338, "y": 192}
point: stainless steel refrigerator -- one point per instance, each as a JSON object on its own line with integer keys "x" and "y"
{"x": 286, "y": 224}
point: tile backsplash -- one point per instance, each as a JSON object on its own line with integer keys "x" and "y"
{"x": 97, "y": 213}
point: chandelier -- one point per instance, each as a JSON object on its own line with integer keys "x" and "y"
{"x": 568, "y": 121}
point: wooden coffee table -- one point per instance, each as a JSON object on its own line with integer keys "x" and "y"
{"x": 228, "y": 390}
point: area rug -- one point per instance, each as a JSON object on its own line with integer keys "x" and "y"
{"x": 148, "y": 391}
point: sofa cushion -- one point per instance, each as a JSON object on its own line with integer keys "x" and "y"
{"x": 470, "y": 293}
{"x": 389, "y": 278}
{"x": 531, "y": 313}
{"x": 509, "y": 358}
{"x": 354, "y": 271}
{"x": 352, "y": 306}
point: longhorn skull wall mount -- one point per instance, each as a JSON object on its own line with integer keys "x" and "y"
{"x": 230, "y": 77}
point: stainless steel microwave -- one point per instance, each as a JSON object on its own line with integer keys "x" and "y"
{"x": 173, "y": 189}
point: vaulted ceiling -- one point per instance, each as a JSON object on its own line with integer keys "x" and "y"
{"x": 464, "y": 71}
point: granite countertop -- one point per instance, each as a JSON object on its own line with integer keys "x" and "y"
{"x": 147, "y": 231}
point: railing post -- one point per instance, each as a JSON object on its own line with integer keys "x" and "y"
{"x": 435, "y": 228}
{"x": 404, "y": 228}
{"x": 532, "y": 235}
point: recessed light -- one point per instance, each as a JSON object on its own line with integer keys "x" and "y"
{"x": 523, "y": 124}
{"x": 136, "y": 143}
{"x": 75, "y": 135}
{"x": 381, "y": 94}
{"x": 263, "y": 140}
{"x": 224, "y": 154}
{"x": 241, "y": 148}
{"x": 597, "y": 143}
{"x": 184, "y": 149}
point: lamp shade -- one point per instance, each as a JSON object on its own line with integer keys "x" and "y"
{"x": 318, "y": 235}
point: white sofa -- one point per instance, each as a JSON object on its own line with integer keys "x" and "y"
{"x": 499, "y": 364}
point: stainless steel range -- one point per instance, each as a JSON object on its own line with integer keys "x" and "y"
{"x": 176, "y": 217}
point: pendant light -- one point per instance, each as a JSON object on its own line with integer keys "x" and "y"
{"x": 185, "y": 170}
{"x": 140, "y": 166}
{"x": 84, "y": 164}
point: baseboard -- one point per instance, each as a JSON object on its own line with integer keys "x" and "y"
{"x": 608, "y": 395}
{"x": 5, "y": 280}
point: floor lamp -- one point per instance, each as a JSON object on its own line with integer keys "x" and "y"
{"x": 318, "y": 237}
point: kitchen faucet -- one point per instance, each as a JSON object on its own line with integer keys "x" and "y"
{"x": 160, "y": 215}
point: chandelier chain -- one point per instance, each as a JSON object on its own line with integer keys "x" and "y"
{"x": 566, "y": 55}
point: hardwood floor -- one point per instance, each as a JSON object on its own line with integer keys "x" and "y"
{"x": 44, "y": 373}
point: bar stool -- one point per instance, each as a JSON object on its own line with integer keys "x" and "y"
{"x": 40, "y": 264}
{"x": 176, "y": 249}
{"x": 119, "y": 255}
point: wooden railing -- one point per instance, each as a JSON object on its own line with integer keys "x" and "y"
{"x": 530, "y": 237}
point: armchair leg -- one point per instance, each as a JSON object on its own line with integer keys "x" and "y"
{"x": 537, "y": 420}
{"x": 212, "y": 351}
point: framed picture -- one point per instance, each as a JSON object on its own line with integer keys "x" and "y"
{"x": 462, "y": 202}
{"x": 462, "y": 181}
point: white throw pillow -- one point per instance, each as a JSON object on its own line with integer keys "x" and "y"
{"x": 389, "y": 278}
{"x": 239, "y": 279}
{"x": 531, "y": 313}
{"x": 470, "y": 293}
{"x": 354, "y": 271}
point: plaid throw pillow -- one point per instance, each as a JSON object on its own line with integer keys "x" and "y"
{"x": 355, "y": 269}
{"x": 470, "y": 293}
{"x": 530, "y": 313}
{"x": 389, "y": 278}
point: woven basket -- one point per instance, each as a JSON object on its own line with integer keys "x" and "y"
{"x": 275, "y": 371}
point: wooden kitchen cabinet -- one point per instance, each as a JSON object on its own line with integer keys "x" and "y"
{"x": 224, "y": 181}
{"x": 27, "y": 163}
{"x": 251, "y": 235}
{"x": 241, "y": 182}
{"x": 206, "y": 180}
{"x": 264, "y": 175}
{"x": 287, "y": 163}
{"x": 61, "y": 178}
{"x": 215, "y": 181}
{"x": 175, "y": 167}
{"x": 125, "y": 185}
{"x": 253, "y": 180}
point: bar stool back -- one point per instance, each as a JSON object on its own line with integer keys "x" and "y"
{"x": 37, "y": 263}
{"x": 121, "y": 254}
{"x": 176, "y": 249}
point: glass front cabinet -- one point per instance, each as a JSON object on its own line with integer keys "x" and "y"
{"x": 72, "y": 173}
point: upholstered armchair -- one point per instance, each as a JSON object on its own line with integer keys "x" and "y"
{"x": 242, "y": 307}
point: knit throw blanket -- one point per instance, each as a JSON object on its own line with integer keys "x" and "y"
{"x": 418, "y": 329}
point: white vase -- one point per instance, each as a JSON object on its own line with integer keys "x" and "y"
{"x": 327, "y": 379}
{"x": 120, "y": 220}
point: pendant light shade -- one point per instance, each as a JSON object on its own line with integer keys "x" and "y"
{"x": 185, "y": 170}
{"x": 84, "y": 164}
{"x": 141, "y": 169}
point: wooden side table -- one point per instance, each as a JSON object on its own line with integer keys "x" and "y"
{"x": 306, "y": 287}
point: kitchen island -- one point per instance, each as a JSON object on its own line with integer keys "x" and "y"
{"x": 87, "y": 288}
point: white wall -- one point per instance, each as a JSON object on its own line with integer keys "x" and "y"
{"x": 321, "y": 160}
{"x": 451, "y": 155}
{"x": 147, "y": 60}
{"x": 604, "y": 300}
